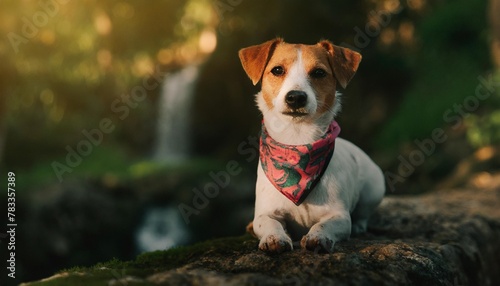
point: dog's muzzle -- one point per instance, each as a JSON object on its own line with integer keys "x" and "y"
{"x": 296, "y": 101}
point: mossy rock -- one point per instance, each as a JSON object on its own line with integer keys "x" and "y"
{"x": 147, "y": 264}
{"x": 443, "y": 238}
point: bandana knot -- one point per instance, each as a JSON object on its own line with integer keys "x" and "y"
{"x": 296, "y": 169}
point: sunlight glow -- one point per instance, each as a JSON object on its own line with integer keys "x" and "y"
{"x": 143, "y": 65}
{"x": 485, "y": 153}
{"x": 102, "y": 24}
{"x": 47, "y": 37}
{"x": 391, "y": 5}
{"x": 388, "y": 36}
{"x": 165, "y": 56}
{"x": 104, "y": 58}
{"x": 406, "y": 33}
{"x": 416, "y": 4}
{"x": 187, "y": 53}
{"x": 207, "y": 41}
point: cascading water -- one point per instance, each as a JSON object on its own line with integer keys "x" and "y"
{"x": 172, "y": 136}
{"x": 162, "y": 228}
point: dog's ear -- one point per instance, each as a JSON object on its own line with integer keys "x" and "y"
{"x": 254, "y": 58}
{"x": 344, "y": 62}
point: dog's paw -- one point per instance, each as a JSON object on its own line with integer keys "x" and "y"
{"x": 317, "y": 243}
{"x": 275, "y": 244}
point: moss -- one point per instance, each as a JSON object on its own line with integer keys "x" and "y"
{"x": 147, "y": 263}
{"x": 164, "y": 260}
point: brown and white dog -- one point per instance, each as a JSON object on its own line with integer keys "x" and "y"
{"x": 299, "y": 102}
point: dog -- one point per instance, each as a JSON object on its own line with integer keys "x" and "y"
{"x": 311, "y": 186}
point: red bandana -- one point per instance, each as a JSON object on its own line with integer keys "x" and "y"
{"x": 295, "y": 169}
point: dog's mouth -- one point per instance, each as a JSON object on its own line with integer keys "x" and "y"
{"x": 295, "y": 113}
{"x": 299, "y": 112}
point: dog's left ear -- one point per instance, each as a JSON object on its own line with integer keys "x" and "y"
{"x": 344, "y": 62}
{"x": 254, "y": 58}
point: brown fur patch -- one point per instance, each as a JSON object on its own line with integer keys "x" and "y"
{"x": 344, "y": 62}
{"x": 316, "y": 57}
{"x": 284, "y": 55}
{"x": 255, "y": 58}
{"x": 339, "y": 63}
{"x": 249, "y": 229}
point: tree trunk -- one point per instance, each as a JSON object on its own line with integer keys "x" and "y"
{"x": 495, "y": 29}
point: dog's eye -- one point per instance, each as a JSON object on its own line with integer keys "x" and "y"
{"x": 278, "y": 70}
{"x": 318, "y": 73}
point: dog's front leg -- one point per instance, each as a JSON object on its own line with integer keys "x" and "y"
{"x": 272, "y": 234}
{"x": 324, "y": 234}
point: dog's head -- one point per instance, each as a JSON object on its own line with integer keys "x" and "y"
{"x": 299, "y": 81}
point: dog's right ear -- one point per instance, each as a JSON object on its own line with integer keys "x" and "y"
{"x": 344, "y": 62}
{"x": 254, "y": 58}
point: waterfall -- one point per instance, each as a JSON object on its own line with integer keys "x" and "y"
{"x": 172, "y": 135}
{"x": 162, "y": 228}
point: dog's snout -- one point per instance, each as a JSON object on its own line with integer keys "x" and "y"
{"x": 296, "y": 99}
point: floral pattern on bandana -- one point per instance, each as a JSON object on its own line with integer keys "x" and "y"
{"x": 295, "y": 169}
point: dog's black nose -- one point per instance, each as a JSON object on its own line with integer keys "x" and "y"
{"x": 296, "y": 99}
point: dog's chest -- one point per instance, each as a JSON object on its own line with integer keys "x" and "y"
{"x": 336, "y": 192}
{"x": 319, "y": 203}
{"x": 299, "y": 219}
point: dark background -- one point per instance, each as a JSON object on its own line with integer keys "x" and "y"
{"x": 63, "y": 64}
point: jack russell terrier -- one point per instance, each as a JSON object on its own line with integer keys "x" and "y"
{"x": 310, "y": 184}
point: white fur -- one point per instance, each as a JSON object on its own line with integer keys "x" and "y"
{"x": 296, "y": 79}
{"x": 341, "y": 203}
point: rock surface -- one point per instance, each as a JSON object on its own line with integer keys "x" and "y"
{"x": 449, "y": 237}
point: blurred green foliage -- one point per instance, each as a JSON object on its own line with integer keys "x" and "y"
{"x": 483, "y": 128}
{"x": 453, "y": 53}
{"x": 60, "y": 75}
{"x": 108, "y": 162}
{"x": 65, "y": 62}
